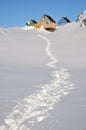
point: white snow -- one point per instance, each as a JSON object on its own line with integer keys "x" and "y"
{"x": 42, "y": 78}
{"x": 28, "y": 27}
{"x": 81, "y": 19}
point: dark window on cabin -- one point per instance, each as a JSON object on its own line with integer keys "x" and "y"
{"x": 47, "y": 22}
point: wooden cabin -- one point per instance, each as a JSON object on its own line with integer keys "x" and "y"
{"x": 63, "y": 21}
{"x": 30, "y": 22}
{"x": 47, "y": 23}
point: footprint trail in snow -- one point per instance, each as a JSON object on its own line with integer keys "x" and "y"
{"x": 36, "y": 107}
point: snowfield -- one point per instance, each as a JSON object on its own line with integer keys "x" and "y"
{"x": 43, "y": 78}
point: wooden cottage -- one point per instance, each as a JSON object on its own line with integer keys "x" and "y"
{"x": 47, "y": 23}
{"x": 63, "y": 21}
{"x": 30, "y": 23}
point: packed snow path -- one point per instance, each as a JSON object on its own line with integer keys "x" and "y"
{"x": 36, "y": 107}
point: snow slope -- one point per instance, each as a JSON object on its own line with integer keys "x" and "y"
{"x": 69, "y": 46}
{"x": 35, "y": 69}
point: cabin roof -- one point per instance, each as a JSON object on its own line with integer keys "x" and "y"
{"x": 33, "y": 21}
{"x": 65, "y": 18}
{"x": 51, "y": 19}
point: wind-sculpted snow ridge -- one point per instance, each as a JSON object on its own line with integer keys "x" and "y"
{"x": 36, "y": 107}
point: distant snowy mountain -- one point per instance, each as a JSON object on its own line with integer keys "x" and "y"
{"x": 82, "y": 18}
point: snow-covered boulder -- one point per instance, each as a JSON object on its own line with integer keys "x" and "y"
{"x": 82, "y": 18}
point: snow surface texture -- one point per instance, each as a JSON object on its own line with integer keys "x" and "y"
{"x": 35, "y": 108}
{"x": 32, "y": 110}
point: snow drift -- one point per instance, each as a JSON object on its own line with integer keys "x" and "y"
{"x": 35, "y": 69}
